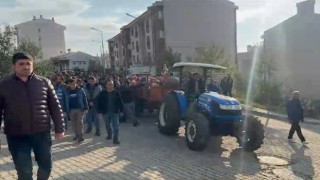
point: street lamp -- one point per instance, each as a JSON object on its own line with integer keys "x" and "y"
{"x": 131, "y": 15}
{"x": 101, "y": 33}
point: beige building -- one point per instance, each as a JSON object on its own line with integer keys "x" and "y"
{"x": 296, "y": 46}
{"x": 45, "y": 33}
{"x": 192, "y": 23}
{"x": 139, "y": 44}
{"x": 179, "y": 25}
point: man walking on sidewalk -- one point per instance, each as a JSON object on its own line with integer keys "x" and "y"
{"x": 28, "y": 103}
{"x": 110, "y": 106}
{"x": 92, "y": 90}
{"x": 295, "y": 115}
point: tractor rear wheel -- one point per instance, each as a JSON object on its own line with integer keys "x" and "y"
{"x": 169, "y": 116}
{"x": 197, "y": 132}
{"x": 250, "y": 135}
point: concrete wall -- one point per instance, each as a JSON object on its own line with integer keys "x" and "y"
{"x": 46, "y": 34}
{"x": 191, "y": 23}
{"x": 297, "y": 47}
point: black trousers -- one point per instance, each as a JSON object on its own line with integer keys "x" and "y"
{"x": 296, "y": 127}
{"x": 21, "y": 147}
{"x": 227, "y": 92}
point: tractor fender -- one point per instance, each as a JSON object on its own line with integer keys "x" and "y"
{"x": 182, "y": 101}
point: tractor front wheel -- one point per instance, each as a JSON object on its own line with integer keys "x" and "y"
{"x": 250, "y": 135}
{"x": 197, "y": 132}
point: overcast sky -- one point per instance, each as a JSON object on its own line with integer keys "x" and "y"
{"x": 254, "y": 16}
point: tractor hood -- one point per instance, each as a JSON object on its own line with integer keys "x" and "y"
{"x": 220, "y": 99}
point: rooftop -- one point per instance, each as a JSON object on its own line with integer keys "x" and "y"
{"x": 80, "y": 56}
{"x": 305, "y": 9}
{"x": 41, "y": 20}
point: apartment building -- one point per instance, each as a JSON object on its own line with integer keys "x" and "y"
{"x": 179, "y": 25}
{"x": 45, "y": 33}
{"x": 295, "y": 44}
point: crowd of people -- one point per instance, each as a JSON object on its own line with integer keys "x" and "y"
{"x": 89, "y": 99}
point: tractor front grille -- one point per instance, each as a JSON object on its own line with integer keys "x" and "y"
{"x": 229, "y": 112}
{"x": 222, "y": 112}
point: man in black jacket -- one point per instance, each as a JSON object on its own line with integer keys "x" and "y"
{"x": 27, "y": 104}
{"x": 110, "y": 106}
{"x": 128, "y": 103}
{"x": 295, "y": 115}
{"x": 195, "y": 87}
{"x": 229, "y": 85}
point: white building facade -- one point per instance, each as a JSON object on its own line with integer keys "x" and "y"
{"x": 45, "y": 33}
{"x": 72, "y": 61}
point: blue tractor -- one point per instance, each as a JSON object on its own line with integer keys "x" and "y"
{"x": 208, "y": 114}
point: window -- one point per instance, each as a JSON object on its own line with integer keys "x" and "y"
{"x": 160, "y": 14}
{"x": 147, "y": 26}
{"x": 74, "y": 63}
{"x": 136, "y": 31}
{"x": 148, "y": 42}
{"x": 138, "y": 60}
{"x": 84, "y": 62}
{"x": 132, "y": 45}
{"x": 134, "y": 59}
{"x": 132, "y": 31}
{"x": 137, "y": 46}
{"x": 161, "y": 34}
{"x": 39, "y": 30}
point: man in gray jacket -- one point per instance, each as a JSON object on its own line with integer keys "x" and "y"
{"x": 92, "y": 90}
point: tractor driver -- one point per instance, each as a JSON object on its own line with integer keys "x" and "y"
{"x": 195, "y": 87}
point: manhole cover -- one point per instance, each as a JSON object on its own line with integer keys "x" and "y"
{"x": 270, "y": 160}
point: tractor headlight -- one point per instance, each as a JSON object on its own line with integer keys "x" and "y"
{"x": 230, "y": 107}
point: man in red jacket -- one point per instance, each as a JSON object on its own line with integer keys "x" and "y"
{"x": 28, "y": 102}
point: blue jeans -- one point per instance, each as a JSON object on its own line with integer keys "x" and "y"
{"x": 112, "y": 124}
{"x": 20, "y": 148}
{"x": 92, "y": 116}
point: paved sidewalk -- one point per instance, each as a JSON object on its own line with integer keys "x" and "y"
{"x": 265, "y": 113}
{"x": 146, "y": 154}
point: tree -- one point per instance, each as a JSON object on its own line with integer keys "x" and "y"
{"x": 44, "y": 68}
{"x": 29, "y": 47}
{"x": 6, "y": 50}
{"x": 268, "y": 91}
{"x": 214, "y": 54}
{"x": 211, "y": 54}
{"x": 171, "y": 57}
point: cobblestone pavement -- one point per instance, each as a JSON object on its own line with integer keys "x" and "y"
{"x": 146, "y": 154}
